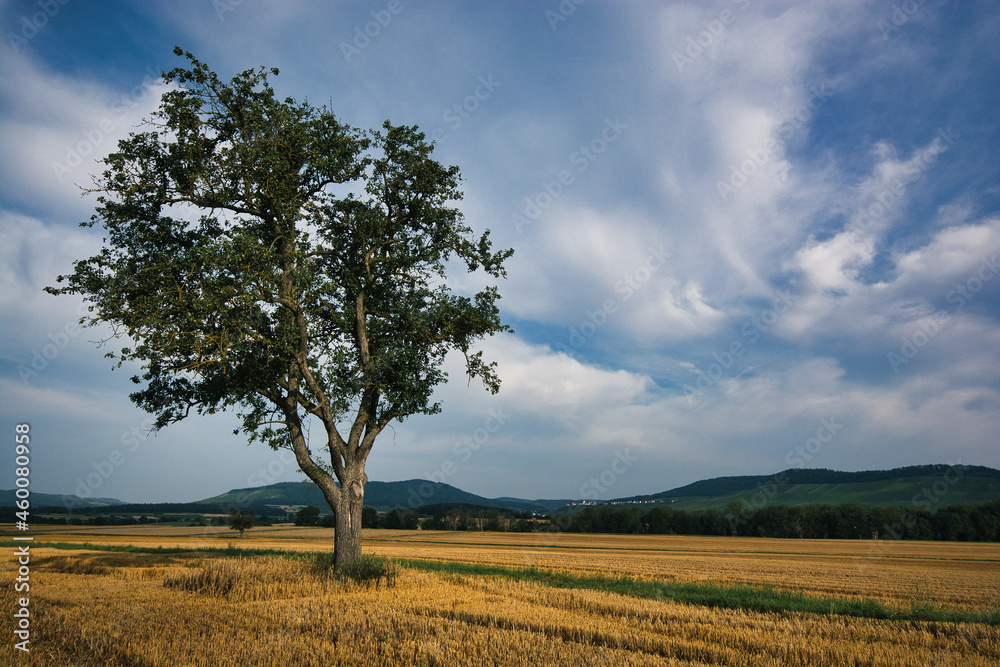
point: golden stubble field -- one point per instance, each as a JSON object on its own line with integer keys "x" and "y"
{"x": 101, "y": 608}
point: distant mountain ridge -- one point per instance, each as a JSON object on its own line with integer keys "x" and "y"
{"x": 411, "y": 493}
{"x": 973, "y": 484}
{"x": 936, "y": 485}
{"x": 8, "y": 497}
{"x": 721, "y": 486}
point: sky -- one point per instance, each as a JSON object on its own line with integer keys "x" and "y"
{"x": 749, "y": 236}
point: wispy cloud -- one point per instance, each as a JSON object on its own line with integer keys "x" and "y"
{"x": 731, "y": 220}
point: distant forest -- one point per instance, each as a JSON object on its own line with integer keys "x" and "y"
{"x": 961, "y": 523}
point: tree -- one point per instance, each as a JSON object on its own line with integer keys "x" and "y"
{"x": 399, "y": 519}
{"x": 661, "y": 520}
{"x": 369, "y": 517}
{"x": 241, "y": 520}
{"x": 307, "y": 516}
{"x": 262, "y": 256}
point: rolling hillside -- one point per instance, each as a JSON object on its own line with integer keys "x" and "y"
{"x": 380, "y": 495}
{"x": 929, "y": 487}
{"x": 9, "y": 497}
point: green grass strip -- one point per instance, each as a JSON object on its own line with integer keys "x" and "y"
{"x": 749, "y": 598}
{"x": 739, "y": 596}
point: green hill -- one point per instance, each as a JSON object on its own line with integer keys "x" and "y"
{"x": 380, "y": 495}
{"x": 8, "y": 497}
{"x": 929, "y": 487}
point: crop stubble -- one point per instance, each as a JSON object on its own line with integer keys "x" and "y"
{"x": 144, "y": 609}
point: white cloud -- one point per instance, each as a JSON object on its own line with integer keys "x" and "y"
{"x": 536, "y": 379}
{"x": 925, "y": 283}
{"x": 834, "y": 264}
{"x": 955, "y": 253}
{"x": 815, "y": 203}
{"x": 38, "y": 326}
{"x": 57, "y": 127}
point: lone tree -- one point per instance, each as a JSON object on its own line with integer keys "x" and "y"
{"x": 260, "y": 255}
{"x": 307, "y": 516}
{"x": 241, "y": 520}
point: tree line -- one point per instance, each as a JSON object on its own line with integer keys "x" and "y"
{"x": 962, "y": 523}
{"x": 396, "y": 519}
{"x": 442, "y": 517}
{"x": 852, "y": 521}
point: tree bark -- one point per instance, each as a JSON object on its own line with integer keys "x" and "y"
{"x": 347, "y": 538}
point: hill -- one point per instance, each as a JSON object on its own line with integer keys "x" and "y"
{"x": 8, "y": 497}
{"x": 925, "y": 486}
{"x": 929, "y": 486}
{"x": 380, "y": 495}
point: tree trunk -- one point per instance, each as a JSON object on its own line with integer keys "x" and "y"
{"x": 347, "y": 538}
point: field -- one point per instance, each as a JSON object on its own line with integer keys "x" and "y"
{"x": 193, "y": 605}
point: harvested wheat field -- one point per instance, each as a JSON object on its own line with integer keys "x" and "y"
{"x": 197, "y": 608}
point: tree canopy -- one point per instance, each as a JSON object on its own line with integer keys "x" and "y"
{"x": 242, "y": 520}
{"x": 260, "y": 255}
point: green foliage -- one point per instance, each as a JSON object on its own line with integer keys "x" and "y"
{"x": 322, "y": 563}
{"x": 369, "y": 517}
{"x": 260, "y": 255}
{"x": 399, "y": 519}
{"x": 242, "y": 520}
{"x": 815, "y": 521}
{"x": 921, "y": 602}
{"x": 281, "y": 294}
{"x": 307, "y": 516}
{"x": 367, "y": 570}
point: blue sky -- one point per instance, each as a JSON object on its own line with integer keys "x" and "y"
{"x": 748, "y": 235}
